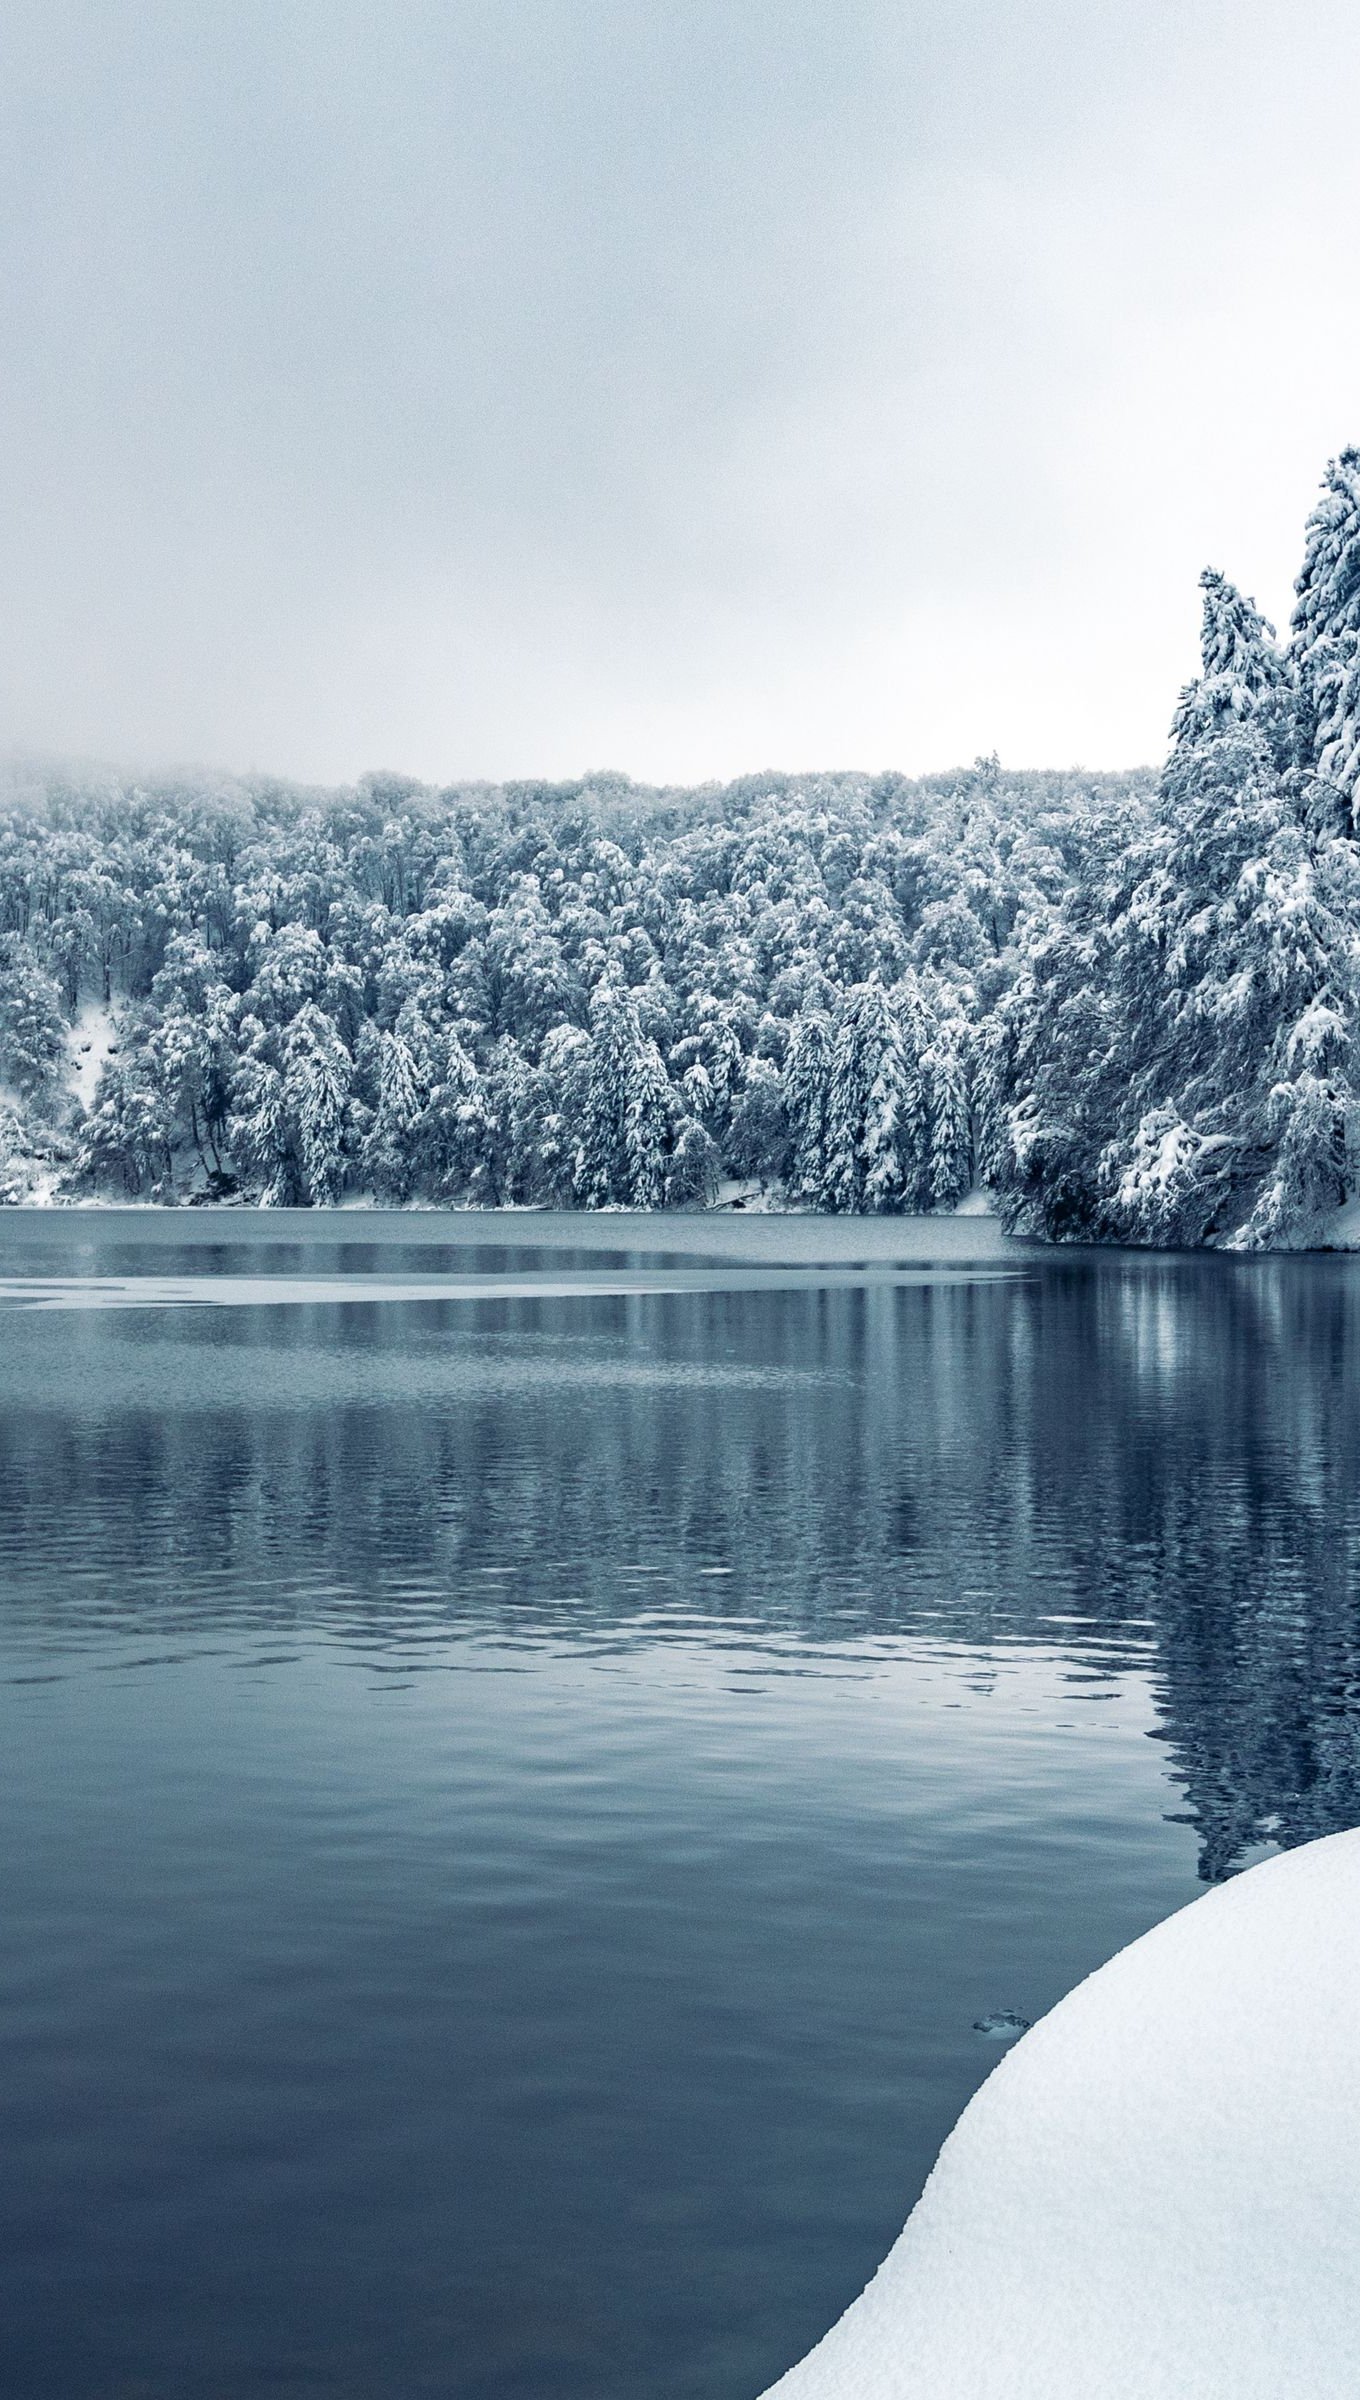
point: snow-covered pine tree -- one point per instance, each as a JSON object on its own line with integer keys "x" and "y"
{"x": 260, "y": 1128}
{"x": 1244, "y": 673}
{"x": 1325, "y": 644}
{"x": 317, "y": 1079}
{"x": 216, "y": 1052}
{"x": 694, "y": 1168}
{"x": 648, "y": 1127}
{"x": 807, "y": 1083}
{"x": 606, "y": 1156}
{"x": 546, "y": 1108}
{"x": 32, "y": 1028}
{"x": 1054, "y": 1070}
{"x": 951, "y": 1131}
{"x": 758, "y": 1134}
{"x": 12, "y": 1178}
{"x": 995, "y": 1043}
{"x": 915, "y": 1111}
{"x": 1312, "y": 1116}
{"x": 876, "y": 1118}
{"x": 489, "y": 1127}
{"x": 709, "y": 1062}
{"x": 390, "y": 1148}
{"x": 849, "y": 1073}
{"x": 187, "y": 1041}
{"x": 126, "y": 1139}
{"x": 1240, "y": 973}
{"x": 460, "y": 1120}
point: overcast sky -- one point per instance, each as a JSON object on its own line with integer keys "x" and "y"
{"x": 682, "y": 386}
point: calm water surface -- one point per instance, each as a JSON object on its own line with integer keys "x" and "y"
{"x": 528, "y": 1743}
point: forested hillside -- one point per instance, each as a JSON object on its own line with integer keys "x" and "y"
{"x": 574, "y": 996}
{"x": 1125, "y": 1004}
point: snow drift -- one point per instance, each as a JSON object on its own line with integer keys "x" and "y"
{"x": 1157, "y": 2192}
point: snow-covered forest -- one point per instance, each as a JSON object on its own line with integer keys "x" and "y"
{"x": 1126, "y": 1004}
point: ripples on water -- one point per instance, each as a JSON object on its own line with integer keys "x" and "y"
{"x": 518, "y": 1801}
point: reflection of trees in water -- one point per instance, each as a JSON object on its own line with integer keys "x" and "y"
{"x": 1162, "y": 1452}
{"x": 1212, "y": 1458}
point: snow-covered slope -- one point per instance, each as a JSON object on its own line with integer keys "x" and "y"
{"x": 91, "y": 1038}
{"x": 1157, "y": 2193}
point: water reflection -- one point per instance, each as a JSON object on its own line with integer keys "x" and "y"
{"x": 1142, "y": 1460}
{"x": 516, "y": 1804}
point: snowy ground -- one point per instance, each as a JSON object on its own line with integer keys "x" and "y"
{"x": 1157, "y": 2193}
{"x": 92, "y": 1037}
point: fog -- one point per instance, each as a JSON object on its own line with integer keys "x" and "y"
{"x": 516, "y": 390}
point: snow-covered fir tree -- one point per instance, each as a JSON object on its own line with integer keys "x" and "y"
{"x": 877, "y": 1139}
{"x": 316, "y": 1090}
{"x": 807, "y": 1084}
{"x": 461, "y": 1123}
{"x": 392, "y": 1144}
{"x": 626, "y": 1123}
{"x": 33, "y": 1045}
{"x": 945, "y": 1066}
{"x": 1325, "y": 644}
{"x": 1244, "y": 674}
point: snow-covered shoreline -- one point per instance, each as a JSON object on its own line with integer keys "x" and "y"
{"x": 1339, "y": 1233}
{"x": 1157, "y": 2192}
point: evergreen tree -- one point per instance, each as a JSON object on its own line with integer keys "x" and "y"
{"x": 1244, "y": 674}
{"x": 1310, "y": 1120}
{"x": 807, "y": 1083}
{"x": 648, "y": 1127}
{"x": 876, "y": 1118}
{"x": 127, "y": 1138}
{"x": 391, "y": 1147}
{"x": 32, "y": 1028}
{"x": 1325, "y": 647}
{"x": 13, "y": 1181}
{"x": 915, "y": 1105}
{"x": 758, "y": 1136}
{"x": 317, "y": 1080}
{"x": 951, "y": 1133}
{"x": 694, "y": 1168}
{"x": 261, "y": 1131}
{"x": 547, "y": 1106}
{"x": 605, "y": 1151}
{"x": 189, "y": 1049}
{"x": 461, "y": 1121}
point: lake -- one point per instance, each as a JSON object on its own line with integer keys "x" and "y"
{"x": 530, "y": 1744}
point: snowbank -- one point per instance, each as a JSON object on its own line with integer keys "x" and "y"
{"x": 1157, "y": 2193}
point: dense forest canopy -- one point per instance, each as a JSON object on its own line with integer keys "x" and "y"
{"x": 1124, "y": 1003}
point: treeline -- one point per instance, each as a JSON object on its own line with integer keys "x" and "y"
{"x": 574, "y": 996}
{"x": 1127, "y": 1005}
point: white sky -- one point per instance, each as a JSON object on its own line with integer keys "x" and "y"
{"x": 684, "y": 386}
